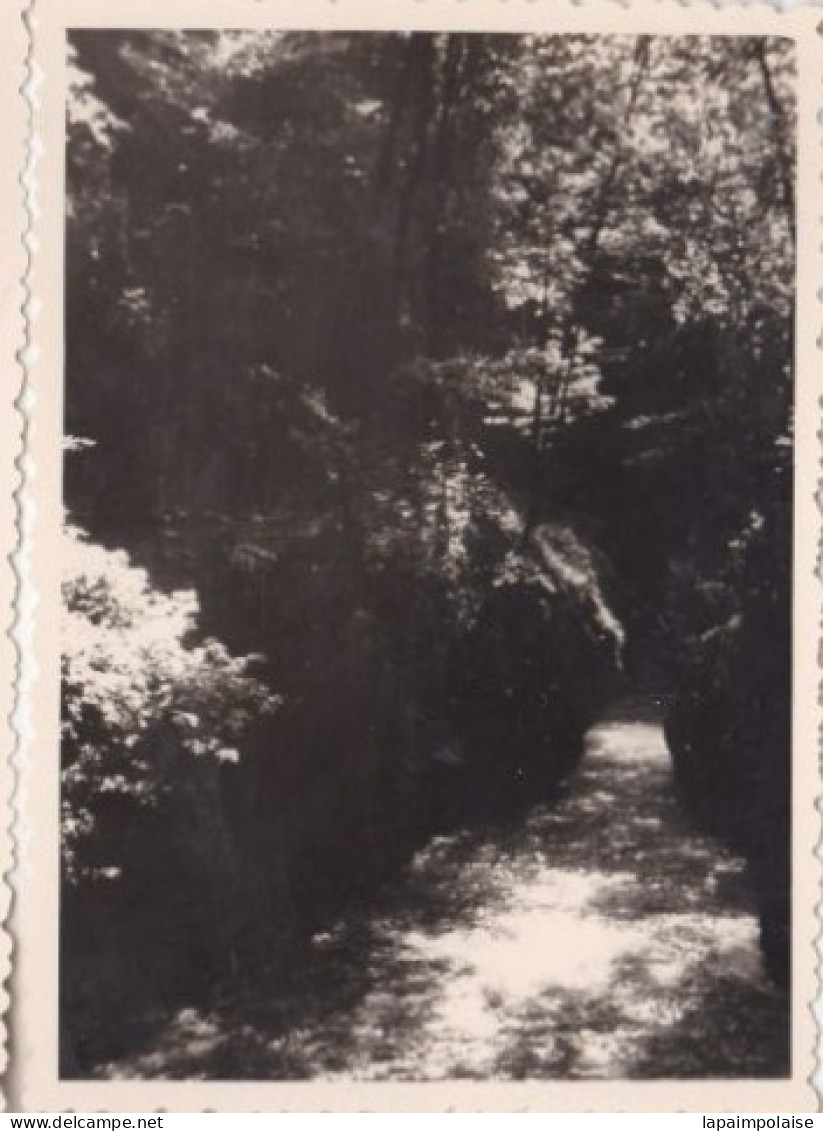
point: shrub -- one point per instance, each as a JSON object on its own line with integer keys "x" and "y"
{"x": 153, "y": 722}
{"x": 142, "y": 703}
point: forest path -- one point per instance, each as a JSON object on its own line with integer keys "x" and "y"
{"x": 597, "y": 938}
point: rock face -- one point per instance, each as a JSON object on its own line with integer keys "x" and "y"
{"x": 732, "y": 768}
{"x": 541, "y": 659}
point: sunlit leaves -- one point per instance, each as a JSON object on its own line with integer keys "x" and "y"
{"x": 143, "y": 699}
{"x": 670, "y": 154}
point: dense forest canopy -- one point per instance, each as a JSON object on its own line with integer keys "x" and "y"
{"x": 339, "y": 205}
{"x": 454, "y": 373}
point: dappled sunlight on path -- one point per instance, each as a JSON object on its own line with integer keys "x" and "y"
{"x": 597, "y": 938}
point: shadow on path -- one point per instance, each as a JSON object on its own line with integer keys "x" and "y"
{"x": 598, "y": 938}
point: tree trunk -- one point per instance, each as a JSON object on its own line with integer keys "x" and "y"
{"x": 604, "y": 198}
{"x": 449, "y": 86}
{"x": 421, "y": 57}
{"x": 778, "y": 120}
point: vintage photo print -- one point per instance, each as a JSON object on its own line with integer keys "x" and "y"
{"x": 422, "y": 439}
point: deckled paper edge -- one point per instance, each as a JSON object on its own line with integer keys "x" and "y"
{"x": 15, "y": 315}
{"x": 34, "y": 1055}
{"x": 816, "y": 202}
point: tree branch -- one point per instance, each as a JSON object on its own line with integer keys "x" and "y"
{"x": 778, "y": 119}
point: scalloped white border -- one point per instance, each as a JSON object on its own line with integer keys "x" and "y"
{"x": 31, "y": 51}
{"x": 15, "y": 315}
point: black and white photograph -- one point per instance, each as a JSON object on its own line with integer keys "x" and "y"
{"x": 426, "y": 562}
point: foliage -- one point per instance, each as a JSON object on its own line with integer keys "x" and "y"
{"x": 142, "y": 703}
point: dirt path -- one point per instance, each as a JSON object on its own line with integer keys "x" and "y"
{"x": 599, "y": 938}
